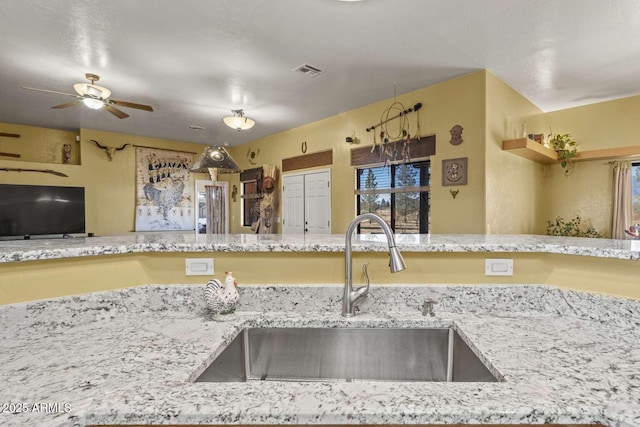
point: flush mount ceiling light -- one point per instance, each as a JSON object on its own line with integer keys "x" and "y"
{"x": 238, "y": 121}
{"x": 217, "y": 158}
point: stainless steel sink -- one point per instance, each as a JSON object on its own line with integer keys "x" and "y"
{"x": 347, "y": 354}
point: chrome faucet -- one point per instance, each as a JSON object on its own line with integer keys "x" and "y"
{"x": 351, "y": 297}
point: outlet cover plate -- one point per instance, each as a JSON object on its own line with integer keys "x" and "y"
{"x": 498, "y": 267}
{"x": 199, "y": 266}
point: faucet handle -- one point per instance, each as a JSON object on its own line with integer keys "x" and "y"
{"x": 427, "y": 307}
{"x": 365, "y": 268}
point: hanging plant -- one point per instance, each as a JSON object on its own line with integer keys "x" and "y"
{"x": 567, "y": 149}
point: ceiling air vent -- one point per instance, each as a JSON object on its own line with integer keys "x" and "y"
{"x": 307, "y": 69}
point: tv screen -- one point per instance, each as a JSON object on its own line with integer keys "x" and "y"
{"x": 41, "y": 210}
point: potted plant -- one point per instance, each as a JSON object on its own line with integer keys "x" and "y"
{"x": 567, "y": 149}
{"x": 572, "y": 228}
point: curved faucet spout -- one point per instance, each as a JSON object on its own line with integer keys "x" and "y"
{"x": 351, "y": 297}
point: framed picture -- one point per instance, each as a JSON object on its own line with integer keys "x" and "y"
{"x": 454, "y": 171}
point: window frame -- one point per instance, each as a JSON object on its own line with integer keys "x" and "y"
{"x": 424, "y": 190}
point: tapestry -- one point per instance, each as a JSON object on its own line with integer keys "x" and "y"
{"x": 164, "y": 190}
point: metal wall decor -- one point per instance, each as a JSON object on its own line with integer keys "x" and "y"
{"x": 252, "y": 155}
{"x": 454, "y": 171}
{"x": 456, "y": 135}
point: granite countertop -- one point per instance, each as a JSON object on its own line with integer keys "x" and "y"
{"x": 130, "y": 356}
{"x": 144, "y": 242}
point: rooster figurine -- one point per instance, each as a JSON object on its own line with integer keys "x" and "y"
{"x": 222, "y": 299}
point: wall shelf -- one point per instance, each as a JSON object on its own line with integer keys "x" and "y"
{"x": 531, "y": 150}
{"x": 609, "y": 153}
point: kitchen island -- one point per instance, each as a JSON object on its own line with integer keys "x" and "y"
{"x": 35, "y": 269}
{"x": 131, "y": 357}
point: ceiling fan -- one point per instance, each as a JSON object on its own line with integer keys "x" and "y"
{"x": 95, "y": 97}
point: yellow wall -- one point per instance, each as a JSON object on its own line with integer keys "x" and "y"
{"x": 36, "y": 144}
{"x": 109, "y": 185}
{"x": 588, "y": 190}
{"x": 31, "y": 280}
{"x": 457, "y": 101}
{"x": 504, "y": 194}
{"x": 514, "y": 186}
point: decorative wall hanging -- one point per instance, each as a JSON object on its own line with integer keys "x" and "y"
{"x": 268, "y": 207}
{"x": 303, "y": 147}
{"x": 112, "y": 150}
{"x": 15, "y": 155}
{"x": 10, "y": 135}
{"x": 454, "y": 171}
{"x": 51, "y": 171}
{"x": 456, "y": 135}
{"x": 454, "y": 193}
{"x": 400, "y": 114}
{"x": 109, "y": 150}
{"x": 252, "y": 155}
{"x": 66, "y": 153}
{"x": 234, "y": 192}
{"x": 388, "y": 151}
{"x": 164, "y": 190}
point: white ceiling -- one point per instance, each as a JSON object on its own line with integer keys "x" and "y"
{"x": 195, "y": 60}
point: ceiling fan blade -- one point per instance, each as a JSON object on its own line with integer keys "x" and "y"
{"x": 119, "y": 114}
{"x": 50, "y": 91}
{"x": 68, "y": 104}
{"x": 132, "y": 105}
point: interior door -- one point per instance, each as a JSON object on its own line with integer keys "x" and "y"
{"x": 293, "y": 204}
{"x": 317, "y": 202}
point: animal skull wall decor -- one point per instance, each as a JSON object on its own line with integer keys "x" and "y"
{"x": 110, "y": 150}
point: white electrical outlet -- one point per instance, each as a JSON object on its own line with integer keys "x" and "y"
{"x": 498, "y": 267}
{"x": 199, "y": 266}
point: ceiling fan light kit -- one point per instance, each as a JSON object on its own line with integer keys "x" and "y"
{"x": 93, "y": 103}
{"x": 238, "y": 121}
{"x": 95, "y": 97}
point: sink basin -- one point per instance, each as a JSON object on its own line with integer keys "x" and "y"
{"x": 347, "y": 354}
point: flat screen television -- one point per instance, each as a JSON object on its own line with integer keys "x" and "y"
{"x": 40, "y": 210}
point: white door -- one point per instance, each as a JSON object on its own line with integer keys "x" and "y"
{"x": 306, "y": 203}
{"x": 293, "y": 204}
{"x": 317, "y": 202}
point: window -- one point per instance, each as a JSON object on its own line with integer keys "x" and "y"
{"x": 635, "y": 191}
{"x": 398, "y": 193}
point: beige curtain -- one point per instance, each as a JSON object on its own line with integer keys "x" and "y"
{"x": 622, "y": 209}
{"x": 216, "y": 208}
